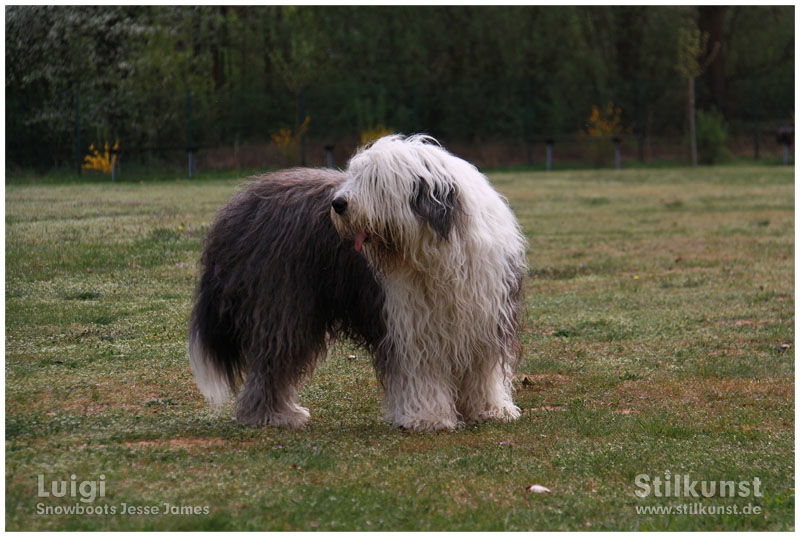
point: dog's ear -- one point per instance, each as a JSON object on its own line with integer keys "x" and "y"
{"x": 438, "y": 207}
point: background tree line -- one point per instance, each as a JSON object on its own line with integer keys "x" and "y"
{"x": 465, "y": 74}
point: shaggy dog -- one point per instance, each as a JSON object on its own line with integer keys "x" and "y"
{"x": 410, "y": 253}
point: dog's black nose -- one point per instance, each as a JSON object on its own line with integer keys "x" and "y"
{"x": 339, "y": 205}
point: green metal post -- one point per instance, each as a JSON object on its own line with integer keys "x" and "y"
{"x": 639, "y": 121}
{"x": 416, "y": 127}
{"x": 189, "y": 144}
{"x": 78, "y": 131}
{"x": 529, "y": 120}
{"x": 301, "y": 119}
{"x": 755, "y": 116}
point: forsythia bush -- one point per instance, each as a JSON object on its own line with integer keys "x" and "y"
{"x": 607, "y": 123}
{"x": 601, "y": 126}
{"x": 373, "y": 133}
{"x": 101, "y": 162}
{"x": 288, "y": 143}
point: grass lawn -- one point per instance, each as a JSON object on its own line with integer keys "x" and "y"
{"x": 659, "y": 338}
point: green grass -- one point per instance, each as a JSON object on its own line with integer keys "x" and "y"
{"x": 658, "y": 337}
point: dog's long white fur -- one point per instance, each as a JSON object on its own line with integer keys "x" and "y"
{"x": 448, "y": 309}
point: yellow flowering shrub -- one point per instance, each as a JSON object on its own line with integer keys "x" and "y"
{"x": 288, "y": 142}
{"x": 601, "y": 127}
{"x": 102, "y": 162}
{"x": 606, "y": 123}
{"x": 373, "y": 133}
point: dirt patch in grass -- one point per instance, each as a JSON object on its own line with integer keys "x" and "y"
{"x": 95, "y": 399}
{"x": 190, "y": 444}
{"x": 712, "y": 395}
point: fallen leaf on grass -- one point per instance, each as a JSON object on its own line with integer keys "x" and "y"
{"x": 538, "y": 489}
{"x": 525, "y": 380}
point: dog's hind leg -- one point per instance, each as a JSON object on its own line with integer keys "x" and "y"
{"x": 268, "y": 402}
{"x": 269, "y": 394}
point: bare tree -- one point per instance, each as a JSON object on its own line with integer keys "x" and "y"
{"x": 693, "y": 59}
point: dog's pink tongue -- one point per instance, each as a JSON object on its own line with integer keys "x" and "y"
{"x": 360, "y": 237}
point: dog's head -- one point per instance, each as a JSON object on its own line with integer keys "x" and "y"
{"x": 400, "y": 199}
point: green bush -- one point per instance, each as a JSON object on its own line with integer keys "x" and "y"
{"x": 712, "y": 134}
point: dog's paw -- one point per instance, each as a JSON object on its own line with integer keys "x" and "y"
{"x": 294, "y": 417}
{"x": 427, "y": 423}
{"x": 506, "y": 412}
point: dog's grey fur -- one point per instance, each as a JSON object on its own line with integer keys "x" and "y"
{"x": 276, "y": 283}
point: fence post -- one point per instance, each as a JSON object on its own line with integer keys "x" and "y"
{"x": 78, "y": 131}
{"x": 755, "y": 116}
{"x": 329, "y": 153}
{"x": 784, "y": 137}
{"x": 189, "y": 145}
{"x": 692, "y": 124}
{"x": 639, "y": 122}
{"x": 549, "y": 159}
{"x": 529, "y": 120}
{"x": 301, "y": 119}
{"x": 617, "y": 153}
{"x": 416, "y": 126}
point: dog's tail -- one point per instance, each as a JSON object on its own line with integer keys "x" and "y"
{"x": 217, "y": 362}
{"x": 212, "y": 384}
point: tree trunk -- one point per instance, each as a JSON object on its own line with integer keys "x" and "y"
{"x": 267, "y": 44}
{"x": 218, "y": 48}
{"x": 712, "y": 22}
